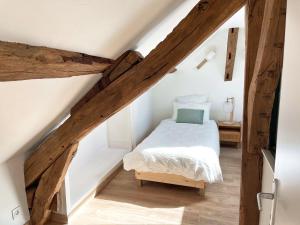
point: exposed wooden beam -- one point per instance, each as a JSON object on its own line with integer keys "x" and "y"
{"x": 121, "y": 65}
{"x": 265, "y": 41}
{"x": 23, "y": 62}
{"x": 194, "y": 29}
{"x": 251, "y": 164}
{"x": 58, "y": 219}
{"x": 267, "y": 72}
{"x": 233, "y": 34}
{"x": 49, "y": 185}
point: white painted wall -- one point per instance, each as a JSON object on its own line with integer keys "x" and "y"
{"x": 141, "y": 117}
{"x": 105, "y": 147}
{"x": 132, "y": 124}
{"x": 119, "y": 130}
{"x": 209, "y": 80}
{"x": 83, "y": 172}
{"x": 12, "y": 191}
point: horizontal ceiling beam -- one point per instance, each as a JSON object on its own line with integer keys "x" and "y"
{"x": 203, "y": 20}
{"x": 23, "y": 62}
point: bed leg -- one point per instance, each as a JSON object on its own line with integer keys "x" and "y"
{"x": 201, "y": 192}
{"x": 140, "y": 183}
{"x": 202, "y": 189}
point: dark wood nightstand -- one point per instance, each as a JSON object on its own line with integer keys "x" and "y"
{"x": 230, "y": 133}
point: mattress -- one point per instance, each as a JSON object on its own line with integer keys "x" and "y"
{"x": 189, "y": 150}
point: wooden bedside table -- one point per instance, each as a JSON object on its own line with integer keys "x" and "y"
{"x": 230, "y": 133}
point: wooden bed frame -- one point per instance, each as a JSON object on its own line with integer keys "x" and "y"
{"x": 170, "y": 179}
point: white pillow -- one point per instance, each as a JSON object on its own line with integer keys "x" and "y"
{"x": 192, "y": 99}
{"x": 204, "y": 106}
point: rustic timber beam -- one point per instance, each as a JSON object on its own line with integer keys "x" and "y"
{"x": 49, "y": 185}
{"x": 41, "y": 199}
{"x": 267, "y": 72}
{"x": 23, "y": 62}
{"x": 204, "y": 19}
{"x": 251, "y": 164}
{"x": 120, "y": 66}
{"x": 265, "y": 42}
{"x": 233, "y": 34}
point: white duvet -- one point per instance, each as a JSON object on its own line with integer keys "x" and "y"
{"x": 190, "y": 150}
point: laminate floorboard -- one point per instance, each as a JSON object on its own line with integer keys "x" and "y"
{"x": 123, "y": 202}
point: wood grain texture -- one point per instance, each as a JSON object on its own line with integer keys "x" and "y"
{"x": 23, "y": 62}
{"x": 49, "y": 185}
{"x": 169, "y": 179}
{"x": 230, "y": 136}
{"x": 233, "y": 34}
{"x": 81, "y": 113}
{"x": 120, "y": 66}
{"x": 123, "y": 202}
{"x": 58, "y": 219}
{"x": 194, "y": 29}
{"x": 251, "y": 164}
{"x": 261, "y": 16}
{"x": 266, "y": 75}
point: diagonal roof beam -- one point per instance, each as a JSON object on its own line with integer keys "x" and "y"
{"x": 23, "y": 62}
{"x": 204, "y": 19}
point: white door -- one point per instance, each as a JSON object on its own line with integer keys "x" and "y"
{"x": 287, "y": 162}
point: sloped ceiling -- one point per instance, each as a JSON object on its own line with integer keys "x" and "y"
{"x": 28, "y": 109}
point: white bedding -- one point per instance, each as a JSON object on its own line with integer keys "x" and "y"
{"x": 190, "y": 150}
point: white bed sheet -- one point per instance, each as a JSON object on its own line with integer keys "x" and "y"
{"x": 189, "y": 150}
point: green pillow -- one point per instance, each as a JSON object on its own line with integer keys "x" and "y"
{"x": 190, "y": 116}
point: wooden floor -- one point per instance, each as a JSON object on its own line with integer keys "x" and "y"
{"x": 123, "y": 202}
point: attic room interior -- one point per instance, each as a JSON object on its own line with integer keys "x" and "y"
{"x": 177, "y": 112}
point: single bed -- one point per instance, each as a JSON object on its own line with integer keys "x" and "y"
{"x": 178, "y": 153}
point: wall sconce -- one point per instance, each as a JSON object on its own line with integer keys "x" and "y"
{"x": 207, "y": 58}
{"x": 229, "y": 109}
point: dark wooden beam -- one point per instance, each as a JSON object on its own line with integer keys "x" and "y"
{"x": 265, "y": 41}
{"x": 49, "y": 185}
{"x": 23, "y": 62}
{"x": 233, "y": 34}
{"x": 204, "y": 19}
